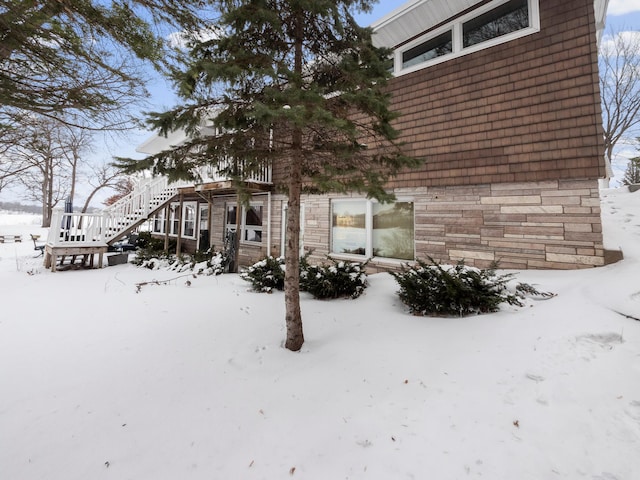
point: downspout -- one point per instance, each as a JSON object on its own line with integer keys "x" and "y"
{"x": 269, "y": 223}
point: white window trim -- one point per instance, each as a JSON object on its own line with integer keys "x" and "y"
{"x": 174, "y": 208}
{"x": 456, "y": 28}
{"x": 368, "y": 222}
{"x": 253, "y": 227}
{"x": 159, "y": 217}
{"x": 243, "y": 220}
{"x": 201, "y": 208}
{"x": 186, "y": 205}
{"x": 283, "y": 230}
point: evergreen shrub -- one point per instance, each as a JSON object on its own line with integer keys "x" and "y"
{"x": 266, "y": 275}
{"x": 341, "y": 279}
{"x": 458, "y": 290}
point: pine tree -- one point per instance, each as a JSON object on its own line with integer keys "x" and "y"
{"x": 65, "y": 59}
{"x": 632, "y": 173}
{"x": 295, "y": 81}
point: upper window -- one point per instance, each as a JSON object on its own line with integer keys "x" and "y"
{"x": 507, "y": 18}
{"x": 436, "y": 47}
{"x": 493, "y": 23}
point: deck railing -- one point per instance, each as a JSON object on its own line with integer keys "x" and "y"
{"x": 71, "y": 228}
{"x": 76, "y": 229}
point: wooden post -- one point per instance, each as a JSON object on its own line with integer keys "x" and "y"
{"x": 167, "y": 225}
{"x": 179, "y": 245}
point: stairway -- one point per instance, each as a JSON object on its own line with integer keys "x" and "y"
{"x": 136, "y": 207}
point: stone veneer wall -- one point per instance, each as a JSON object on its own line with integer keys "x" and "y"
{"x": 550, "y": 224}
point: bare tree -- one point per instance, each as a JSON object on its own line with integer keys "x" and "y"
{"x": 10, "y": 168}
{"x": 104, "y": 176}
{"x": 47, "y": 160}
{"x": 619, "y": 65}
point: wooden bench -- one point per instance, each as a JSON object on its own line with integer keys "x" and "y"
{"x": 10, "y": 238}
{"x": 87, "y": 252}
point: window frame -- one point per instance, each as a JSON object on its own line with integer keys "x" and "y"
{"x": 173, "y": 223}
{"x": 159, "y": 222}
{"x": 369, "y": 231}
{"x": 185, "y": 207}
{"x": 455, "y": 26}
{"x": 243, "y": 222}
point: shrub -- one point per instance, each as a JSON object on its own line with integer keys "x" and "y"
{"x": 434, "y": 289}
{"x": 265, "y": 275}
{"x": 147, "y": 241}
{"x": 150, "y": 257}
{"x": 342, "y": 279}
{"x": 200, "y": 263}
{"x": 209, "y": 262}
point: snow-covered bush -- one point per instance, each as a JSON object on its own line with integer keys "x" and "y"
{"x": 265, "y": 275}
{"x": 152, "y": 259}
{"x": 458, "y": 290}
{"x": 341, "y": 279}
{"x": 203, "y": 263}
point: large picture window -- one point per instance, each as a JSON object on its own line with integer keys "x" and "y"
{"x": 372, "y": 229}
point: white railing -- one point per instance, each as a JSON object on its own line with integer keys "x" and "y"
{"x": 262, "y": 175}
{"x": 137, "y": 205}
{"x": 71, "y": 228}
{"x": 76, "y": 229}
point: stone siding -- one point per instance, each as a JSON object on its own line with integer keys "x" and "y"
{"x": 550, "y": 224}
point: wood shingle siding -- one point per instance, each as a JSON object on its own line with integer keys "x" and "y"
{"x": 527, "y": 110}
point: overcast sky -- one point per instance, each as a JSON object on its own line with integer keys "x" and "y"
{"x": 620, "y": 7}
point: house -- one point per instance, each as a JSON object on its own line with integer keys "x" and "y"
{"x": 501, "y": 97}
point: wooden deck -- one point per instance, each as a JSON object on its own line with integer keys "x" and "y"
{"x": 85, "y": 251}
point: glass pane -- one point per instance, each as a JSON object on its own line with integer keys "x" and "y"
{"x": 348, "y": 227}
{"x": 204, "y": 218}
{"x": 189, "y": 213}
{"x": 253, "y": 235}
{"x": 231, "y": 214}
{"x": 254, "y": 216}
{"x": 507, "y": 18}
{"x": 393, "y": 230}
{"x": 436, "y": 47}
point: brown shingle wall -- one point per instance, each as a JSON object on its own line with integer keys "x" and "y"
{"x": 526, "y": 110}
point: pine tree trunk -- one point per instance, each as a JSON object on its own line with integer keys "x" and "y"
{"x": 293, "y": 315}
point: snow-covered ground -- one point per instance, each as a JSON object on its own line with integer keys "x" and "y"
{"x": 191, "y": 382}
